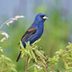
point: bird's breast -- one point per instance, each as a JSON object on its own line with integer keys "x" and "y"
{"x": 40, "y": 29}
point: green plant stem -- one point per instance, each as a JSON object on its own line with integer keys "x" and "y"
{"x": 26, "y": 64}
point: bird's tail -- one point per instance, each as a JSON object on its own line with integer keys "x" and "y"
{"x": 18, "y": 57}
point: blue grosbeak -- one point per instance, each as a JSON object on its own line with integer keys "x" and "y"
{"x": 34, "y": 32}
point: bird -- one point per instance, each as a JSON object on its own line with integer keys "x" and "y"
{"x": 34, "y": 32}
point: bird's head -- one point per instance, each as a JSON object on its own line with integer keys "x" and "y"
{"x": 41, "y": 17}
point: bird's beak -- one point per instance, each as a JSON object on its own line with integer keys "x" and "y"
{"x": 45, "y": 17}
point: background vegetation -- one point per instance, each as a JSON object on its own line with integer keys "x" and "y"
{"x": 54, "y": 42}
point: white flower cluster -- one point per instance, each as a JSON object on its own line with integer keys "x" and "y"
{"x": 13, "y": 19}
{"x": 6, "y": 36}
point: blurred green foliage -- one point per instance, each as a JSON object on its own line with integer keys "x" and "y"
{"x": 6, "y": 64}
{"x": 62, "y": 60}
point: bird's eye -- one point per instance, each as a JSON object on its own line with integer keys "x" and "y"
{"x": 44, "y": 17}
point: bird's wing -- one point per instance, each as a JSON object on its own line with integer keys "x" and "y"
{"x": 28, "y": 33}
